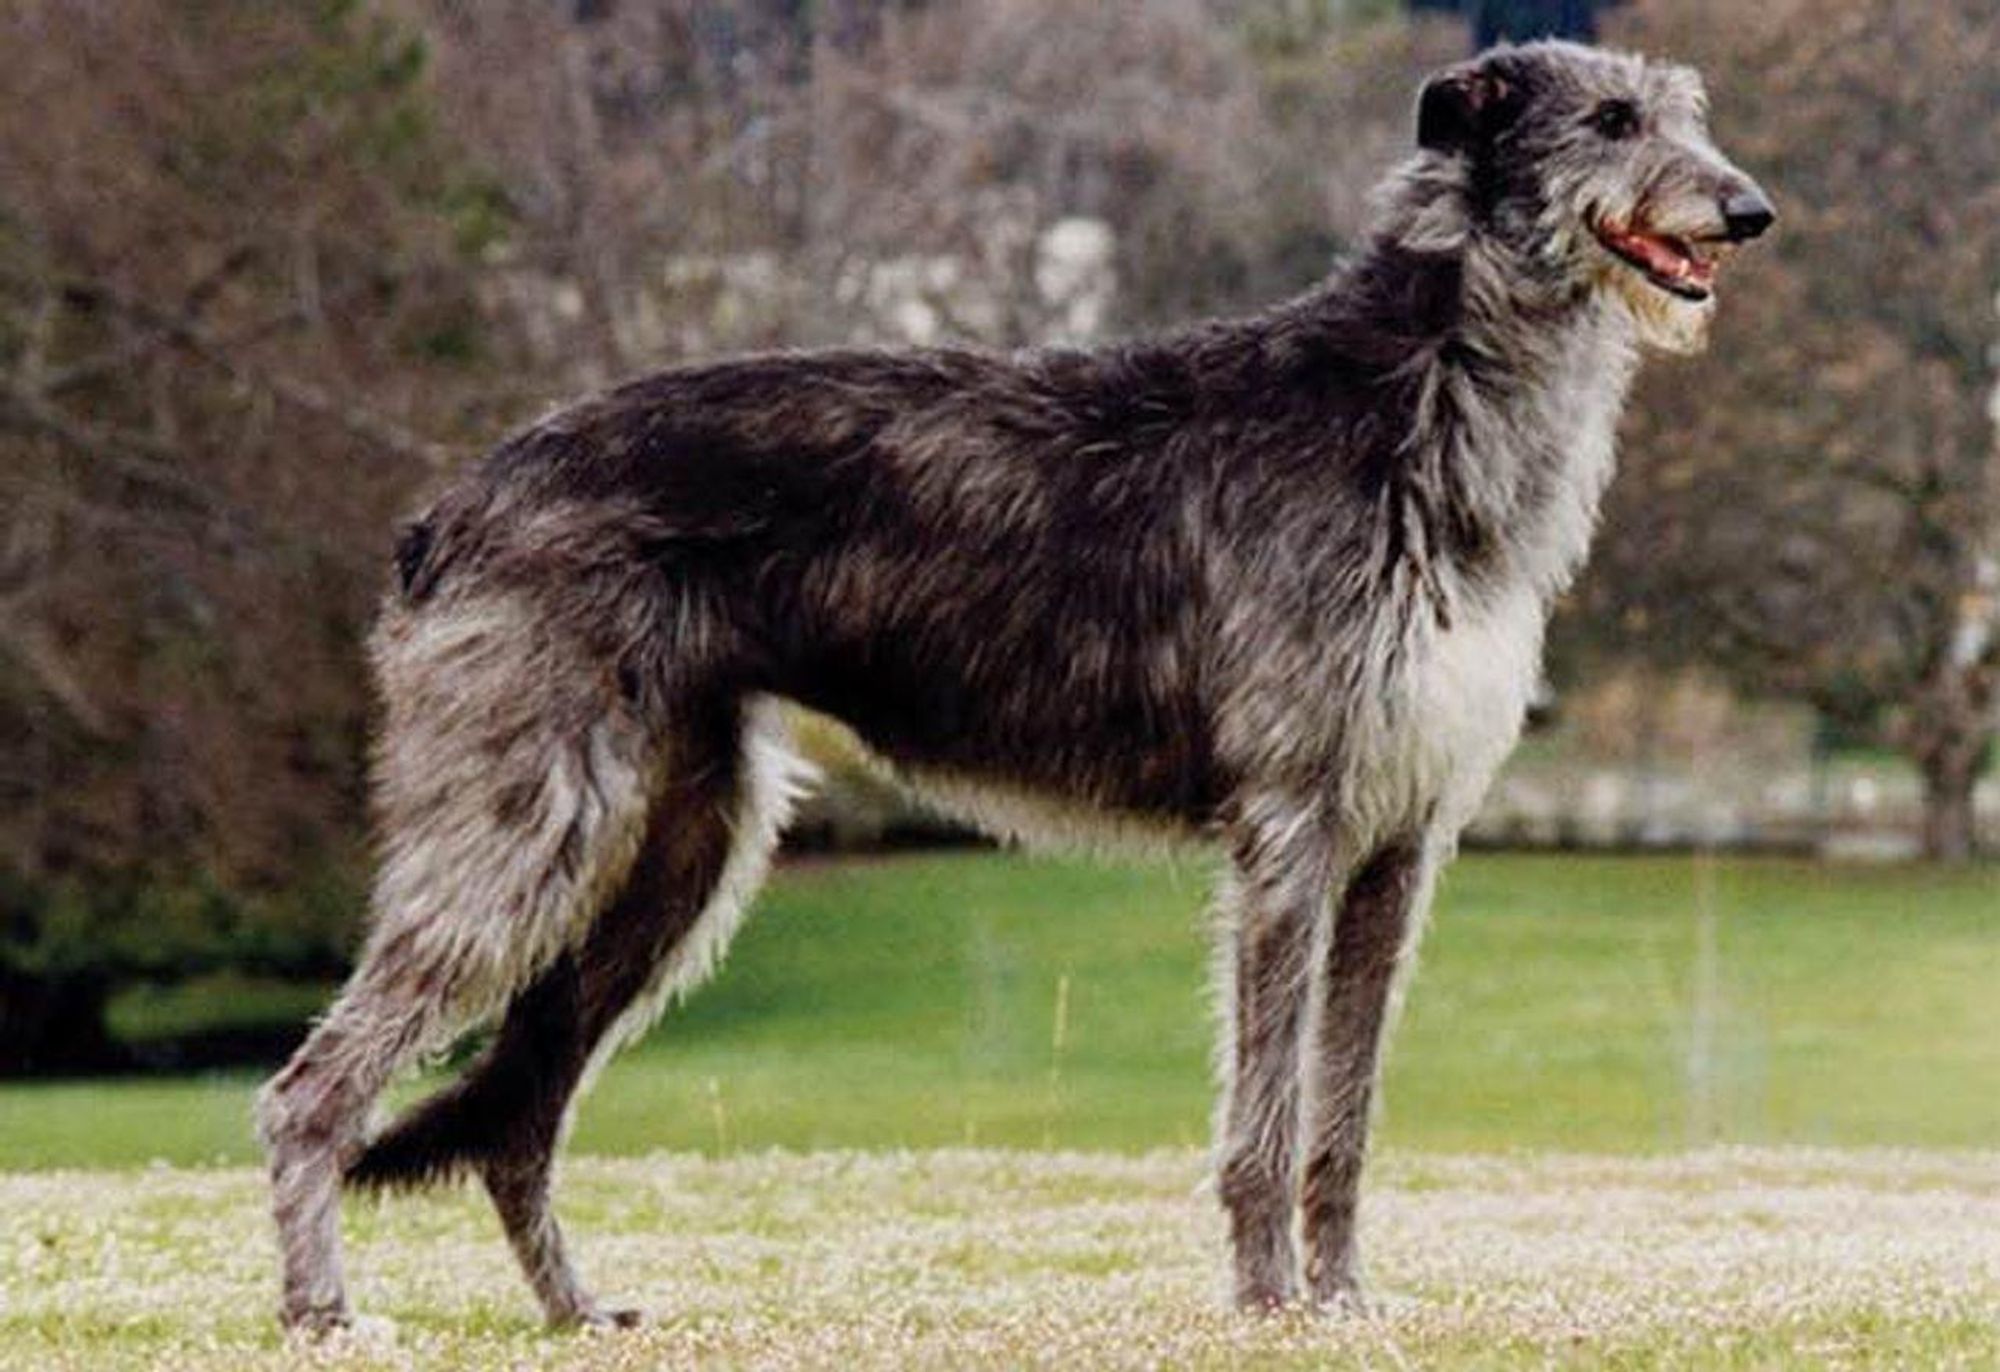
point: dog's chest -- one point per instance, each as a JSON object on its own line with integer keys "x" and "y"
{"x": 1450, "y": 712}
{"x": 1452, "y": 699}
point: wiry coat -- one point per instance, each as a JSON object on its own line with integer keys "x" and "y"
{"x": 1281, "y": 580}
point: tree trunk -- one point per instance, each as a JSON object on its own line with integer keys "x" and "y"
{"x": 1948, "y": 730}
{"x": 1950, "y": 775}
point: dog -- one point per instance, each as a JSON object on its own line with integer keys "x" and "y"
{"x": 1277, "y": 582}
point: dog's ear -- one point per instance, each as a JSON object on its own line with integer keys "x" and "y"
{"x": 1464, "y": 107}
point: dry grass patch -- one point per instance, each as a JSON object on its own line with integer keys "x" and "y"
{"x": 1005, "y": 1259}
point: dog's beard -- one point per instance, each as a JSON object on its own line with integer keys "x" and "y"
{"x": 1665, "y": 321}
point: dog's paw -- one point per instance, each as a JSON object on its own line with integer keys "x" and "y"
{"x": 1338, "y": 1292}
{"x": 1264, "y": 1298}
{"x": 1351, "y": 1300}
{"x": 311, "y": 1323}
{"x": 597, "y": 1319}
{"x": 341, "y": 1329}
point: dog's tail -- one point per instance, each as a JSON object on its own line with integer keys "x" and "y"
{"x": 442, "y": 1138}
{"x": 514, "y": 1093}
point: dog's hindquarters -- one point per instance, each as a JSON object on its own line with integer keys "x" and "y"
{"x": 706, "y": 850}
{"x": 547, "y": 841}
{"x": 511, "y": 791}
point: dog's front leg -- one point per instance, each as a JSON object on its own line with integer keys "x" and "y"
{"x": 1378, "y": 914}
{"x": 1271, "y": 908}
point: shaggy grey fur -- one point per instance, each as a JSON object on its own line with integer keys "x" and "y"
{"x": 1281, "y": 580}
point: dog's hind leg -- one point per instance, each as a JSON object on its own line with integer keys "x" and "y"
{"x": 1375, "y": 926}
{"x": 1272, "y": 910}
{"x": 513, "y": 786}
{"x": 705, "y": 850}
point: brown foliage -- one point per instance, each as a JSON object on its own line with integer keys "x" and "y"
{"x": 253, "y": 293}
{"x": 261, "y": 265}
{"x": 226, "y": 258}
{"x": 1814, "y": 505}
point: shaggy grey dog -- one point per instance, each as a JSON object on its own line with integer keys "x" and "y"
{"x": 1279, "y": 580}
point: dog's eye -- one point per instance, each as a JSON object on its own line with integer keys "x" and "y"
{"x": 1615, "y": 119}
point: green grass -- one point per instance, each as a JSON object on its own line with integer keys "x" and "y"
{"x": 219, "y": 1002}
{"x": 952, "y": 1258}
{"x": 1559, "y": 1005}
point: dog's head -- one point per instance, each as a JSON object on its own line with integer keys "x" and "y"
{"x": 1598, "y": 168}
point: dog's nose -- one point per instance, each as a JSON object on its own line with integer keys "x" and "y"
{"x": 1746, "y": 213}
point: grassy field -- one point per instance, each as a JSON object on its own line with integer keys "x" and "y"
{"x": 1562, "y": 1003}
{"x": 1003, "y": 1259}
{"x": 1582, "y": 1033}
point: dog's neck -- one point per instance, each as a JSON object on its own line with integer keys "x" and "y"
{"x": 1518, "y": 373}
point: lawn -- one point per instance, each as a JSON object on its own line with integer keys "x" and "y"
{"x": 959, "y": 1258}
{"x": 1576, "y": 1004}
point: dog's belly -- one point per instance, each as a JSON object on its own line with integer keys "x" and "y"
{"x": 1047, "y": 821}
{"x": 1029, "y": 753}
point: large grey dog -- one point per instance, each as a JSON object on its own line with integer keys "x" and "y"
{"x": 1279, "y": 580}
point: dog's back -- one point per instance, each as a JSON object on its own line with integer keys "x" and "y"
{"x": 1050, "y": 573}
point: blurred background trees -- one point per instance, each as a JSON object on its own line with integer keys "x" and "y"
{"x": 232, "y": 295}
{"x": 268, "y": 269}
{"x": 1814, "y": 507}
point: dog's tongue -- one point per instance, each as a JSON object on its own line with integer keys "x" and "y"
{"x": 1663, "y": 259}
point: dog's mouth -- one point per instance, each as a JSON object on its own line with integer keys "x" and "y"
{"x": 1680, "y": 266}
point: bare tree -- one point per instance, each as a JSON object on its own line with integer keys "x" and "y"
{"x": 262, "y": 264}
{"x": 231, "y": 308}
{"x": 782, "y": 166}
{"x": 1814, "y": 506}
